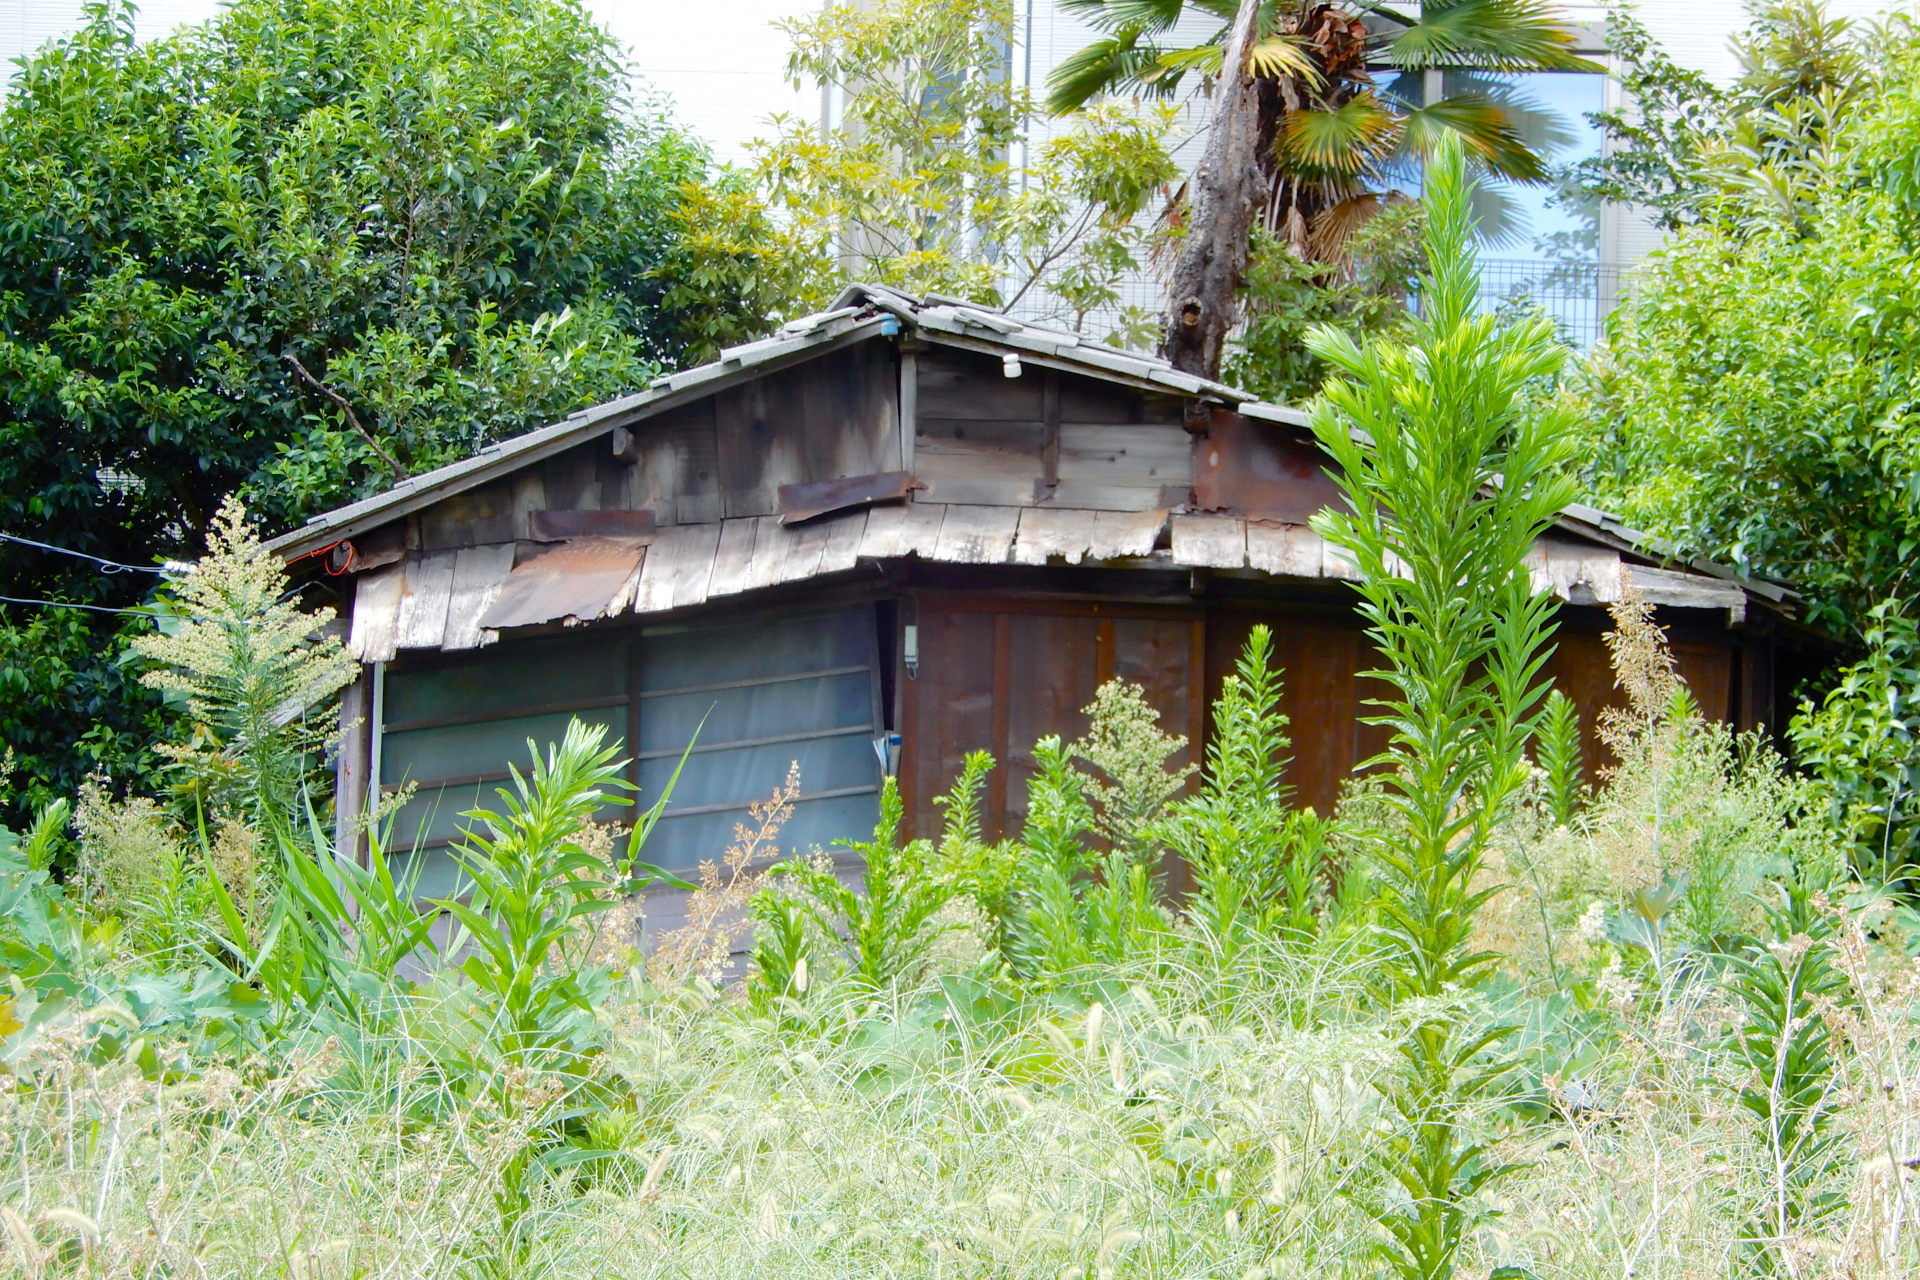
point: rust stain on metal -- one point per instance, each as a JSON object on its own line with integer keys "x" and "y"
{"x": 559, "y": 526}
{"x": 1247, "y": 468}
{"x": 810, "y": 501}
{"x": 576, "y": 579}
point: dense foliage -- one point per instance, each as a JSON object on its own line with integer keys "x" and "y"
{"x": 916, "y": 184}
{"x": 308, "y": 248}
{"x": 1753, "y": 398}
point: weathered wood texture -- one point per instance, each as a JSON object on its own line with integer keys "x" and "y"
{"x": 1045, "y": 439}
{"x": 1000, "y": 674}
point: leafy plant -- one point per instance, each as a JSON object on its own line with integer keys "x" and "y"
{"x": 1796, "y": 460}
{"x": 1789, "y": 1040}
{"x": 1449, "y": 482}
{"x": 259, "y": 676}
{"x": 1863, "y": 744}
{"x": 1557, "y": 747}
{"x": 887, "y": 928}
{"x": 1258, "y": 865}
{"x": 915, "y": 187}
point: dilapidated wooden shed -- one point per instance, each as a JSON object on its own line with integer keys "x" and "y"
{"x": 890, "y": 534}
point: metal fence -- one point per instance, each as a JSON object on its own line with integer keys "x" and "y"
{"x": 1577, "y": 296}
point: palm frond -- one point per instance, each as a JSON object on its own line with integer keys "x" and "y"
{"x": 1480, "y": 123}
{"x": 1283, "y": 56}
{"x": 1336, "y": 225}
{"x": 1494, "y": 35}
{"x": 1120, "y": 62}
{"x": 1142, "y": 16}
{"x": 1338, "y": 142}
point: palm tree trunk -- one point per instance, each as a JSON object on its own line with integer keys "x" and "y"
{"x": 1203, "y": 295}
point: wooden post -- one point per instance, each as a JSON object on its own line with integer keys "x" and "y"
{"x": 351, "y": 764}
{"x": 909, "y": 400}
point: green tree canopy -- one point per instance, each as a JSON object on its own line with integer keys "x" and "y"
{"x": 1755, "y": 398}
{"x": 307, "y": 248}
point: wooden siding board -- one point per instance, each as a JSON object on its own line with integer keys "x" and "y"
{"x": 844, "y": 534}
{"x": 1053, "y": 677}
{"x": 957, "y": 384}
{"x": 1120, "y": 534}
{"x": 376, "y": 613}
{"x": 1140, "y": 455}
{"x": 733, "y": 557}
{"x": 952, "y": 708}
{"x": 477, "y": 575}
{"x": 912, "y": 529}
{"x": 694, "y": 436}
{"x": 1046, "y": 532}
{"x": 677, "y": 568}
{"x": 422, "y": 620}
{"x": 976, "y": 535}
{"x": 1217, "y": 542}
{"x": 1288, "y": 551}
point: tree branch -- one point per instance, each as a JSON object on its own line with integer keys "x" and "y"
{"x": 353, "y": 419}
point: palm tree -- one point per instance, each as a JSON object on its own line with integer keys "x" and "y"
{"x": 1323, "y": 102}
{"x": 1345, "y": 92}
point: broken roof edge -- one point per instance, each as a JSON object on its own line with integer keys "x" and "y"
{"x": 861, "y": 311}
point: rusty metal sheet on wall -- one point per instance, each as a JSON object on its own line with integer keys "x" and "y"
{"x": 1247, "y": 468}
{"x": 577, "y": 579}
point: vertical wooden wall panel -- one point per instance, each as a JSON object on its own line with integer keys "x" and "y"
{"x": 1708, "y": 671}
{"x": 1054, "y": 677}
{"x": 950, "y": 707}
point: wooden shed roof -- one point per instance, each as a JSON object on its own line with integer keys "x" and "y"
{"x": 459, "y": 597}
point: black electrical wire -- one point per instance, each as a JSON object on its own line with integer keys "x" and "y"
{"x": 68, "y": 604}
{"x": 106, "y": 566}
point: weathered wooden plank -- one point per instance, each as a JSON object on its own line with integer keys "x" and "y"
{"x": 1117, "y": 534}
{"x": 559, "y": 526}
{"x": 900, "y": 531}
{"x": 962, "y": 384}
{"x": 1286, "y": 550}
{"x": 482, "y": 515}
{"x": 694, "y": 434}
{"x": 800, "y": 550}
{"x": 844, "y": 533}
{"x": 1679, "y": 590}
{"x": 980, "y": 462}
{"x": 683, "y": 554}
{"x": 477, "y": 575}
{"x": 760, "y": 430}
{"x": 851, "y": 419}
{"x": 422, "y": 620}
{"x": 1045, "y": 532}
{"x": 1337, "y": 563}
{"x": 976, "y": 535}
{"x": 693, "y": 569}
{"x": 1094, "y": 495}
{"x": 572, "y": 479}
{"x": 1149, "y": 454}
{"x": 376, "y": 613}
{"x": 816, "y": 498}
{"x": 1217, "y": 542}
{"x": 733, "y": 558}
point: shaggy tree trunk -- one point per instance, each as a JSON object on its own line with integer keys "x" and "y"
{"x": 1203, "y": 294}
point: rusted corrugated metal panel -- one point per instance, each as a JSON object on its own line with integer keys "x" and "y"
{"x": 801, "y": 502}
{"x": 1246, "y": 468}
{"x": 578, "y": 579}
{"x": 560, "y": 526}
